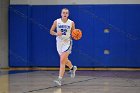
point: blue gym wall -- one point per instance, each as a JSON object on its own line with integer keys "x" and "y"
{"x": 31, "y": 45}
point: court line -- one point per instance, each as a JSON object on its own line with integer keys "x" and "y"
{"x": 59, "y": 86}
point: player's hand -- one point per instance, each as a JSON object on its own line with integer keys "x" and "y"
{"x": 59, "y": 33}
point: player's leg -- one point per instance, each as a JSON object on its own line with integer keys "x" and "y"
{"x": 69, "y": 64}
{"x": 63, "y": 60}
{"x": 72, "y": 68}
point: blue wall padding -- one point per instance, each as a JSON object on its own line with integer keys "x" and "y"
{"x": 31, "y": 45}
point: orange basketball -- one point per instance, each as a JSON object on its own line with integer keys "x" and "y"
{"x": 76, "y": 34}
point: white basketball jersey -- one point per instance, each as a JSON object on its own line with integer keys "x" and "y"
{"x": 65, "y": 28}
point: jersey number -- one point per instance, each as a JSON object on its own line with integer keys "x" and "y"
{"x": 64, "y": 31}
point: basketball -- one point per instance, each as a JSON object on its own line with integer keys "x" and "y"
{"x": 76, "y": 34}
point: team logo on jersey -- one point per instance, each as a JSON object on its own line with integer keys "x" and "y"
{"x": 64, "y": 26}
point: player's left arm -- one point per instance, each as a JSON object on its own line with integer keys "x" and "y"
{"x": 73, "y": 26}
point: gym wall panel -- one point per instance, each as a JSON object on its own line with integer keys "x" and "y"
{"x": 132, "y": 25}
{"x": 101, "y": 20}
{"x": 117, "y": 40}
{"x": 43, "y": 51}
{"x": 18, "y": 36}
{"x": 81, "y": 17}
{"x": 4, "y": 5}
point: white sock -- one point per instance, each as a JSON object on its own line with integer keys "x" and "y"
{"x": 60, "y": 77}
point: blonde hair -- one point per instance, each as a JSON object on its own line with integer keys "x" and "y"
{"x": 65, "y": 9}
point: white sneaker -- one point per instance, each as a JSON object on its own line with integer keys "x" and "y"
{"x": 58, "y": 82}
{"x": 73, "y": 71}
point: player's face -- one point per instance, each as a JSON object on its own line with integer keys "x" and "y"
{"x": 65, "y": 13}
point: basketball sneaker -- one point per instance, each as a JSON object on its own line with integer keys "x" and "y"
{"x": 58, "y": 81}
{"x": 72, "y": 72}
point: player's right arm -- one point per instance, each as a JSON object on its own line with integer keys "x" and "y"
{"x": 52, "y": 32}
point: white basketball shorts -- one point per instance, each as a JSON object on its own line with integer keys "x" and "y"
{"x": 64, "y": 46}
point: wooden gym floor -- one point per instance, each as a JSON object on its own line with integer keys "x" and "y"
{"x": 38, "y": 81}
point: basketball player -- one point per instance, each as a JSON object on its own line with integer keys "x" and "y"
{"x": 64, "y": 26}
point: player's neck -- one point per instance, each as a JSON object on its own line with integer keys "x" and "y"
{"x": 64, "y": 20}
